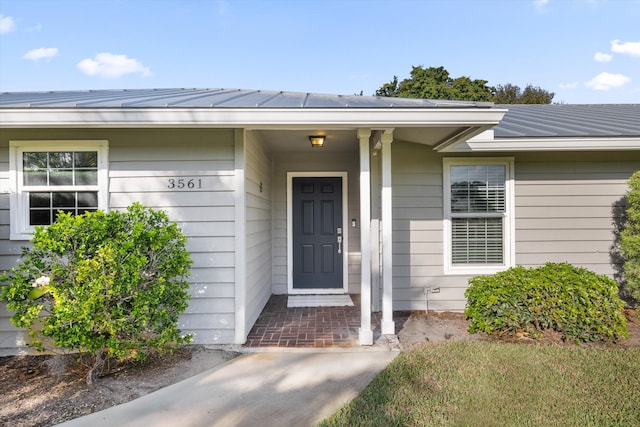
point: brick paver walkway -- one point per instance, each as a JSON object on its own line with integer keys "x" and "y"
{"x": 311, "y": 327}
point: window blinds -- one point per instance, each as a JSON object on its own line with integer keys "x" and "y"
{"x": 478, "y": 205}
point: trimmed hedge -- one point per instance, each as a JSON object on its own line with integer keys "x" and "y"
{"x": 574, "y": 301}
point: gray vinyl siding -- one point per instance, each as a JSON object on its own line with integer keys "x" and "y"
{"x": 317, "y": 162}
{"x": 567, "y": 205}
{"x": 258, "y": 228}
{"x": 10, "y": 337}
{"x": 141, "y": 161}
{"x": 565, "y": 210}
{"x": 417, "y": 230}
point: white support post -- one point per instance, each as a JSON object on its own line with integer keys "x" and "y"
{"x": 366, "y": 333}
{"x": 388, "y": 325}
{"x": 375, "y": 264}
{"x": 240, "y": 237}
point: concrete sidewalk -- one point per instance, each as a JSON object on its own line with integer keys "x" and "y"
{"x": 259, "y": 389}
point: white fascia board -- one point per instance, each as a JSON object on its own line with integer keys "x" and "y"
{"x": 546, "y": 144}
{"x": 255, "y": 118}
{"x": 465, "y": 134}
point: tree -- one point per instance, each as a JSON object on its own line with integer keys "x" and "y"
{"x": 512, "y": 94}
{"x": 536, "y": 95}
{"x": 437, "y": 83}
{"x": 104, "y": 284}
{"x": 389, "y": 89}
{"x": 507, "y": 94}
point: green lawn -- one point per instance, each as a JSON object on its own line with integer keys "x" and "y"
{"x": 501, "y": 384}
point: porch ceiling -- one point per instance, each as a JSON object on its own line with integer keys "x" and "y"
{"x": 347, "y": 140}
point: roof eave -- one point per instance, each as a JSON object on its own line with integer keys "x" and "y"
{"x": 257, "y": 118}
{"x": 604, "y": 143}
{"x": 463, "y": 135}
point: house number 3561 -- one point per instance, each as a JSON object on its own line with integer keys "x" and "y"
{"x": 184, "y": 183}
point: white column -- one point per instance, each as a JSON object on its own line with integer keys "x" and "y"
{"x": 375, "y": 261}
{"x": 388, "y": 325}
{"x": 365, "y": 334}
{"x": 239, "y": 197}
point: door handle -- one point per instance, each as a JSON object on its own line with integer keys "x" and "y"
{"x": 339, "y": 244}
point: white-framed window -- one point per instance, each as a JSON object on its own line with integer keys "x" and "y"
{"x": 478, "y": 215}
{"x": 52, "y": 176}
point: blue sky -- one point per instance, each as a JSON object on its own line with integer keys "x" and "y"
{"x": 586, "y": 51}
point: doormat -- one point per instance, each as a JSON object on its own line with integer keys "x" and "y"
{"x": 294, "y": 301}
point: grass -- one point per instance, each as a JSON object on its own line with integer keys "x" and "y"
{"x": 501, "y": 384}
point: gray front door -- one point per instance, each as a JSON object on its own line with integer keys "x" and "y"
{"x": 317, "y": 233}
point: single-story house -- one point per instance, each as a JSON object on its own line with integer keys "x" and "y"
{"x": 398, "y": 200}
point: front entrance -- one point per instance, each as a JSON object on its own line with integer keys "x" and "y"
{"x": 318, "y": 235}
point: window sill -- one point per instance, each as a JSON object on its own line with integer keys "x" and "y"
{"x": 475, "y": 270}
{"x": 21, "y": 236}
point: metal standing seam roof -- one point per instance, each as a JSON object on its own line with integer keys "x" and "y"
{"x": 521, "y": 121}
{"x": 214, "y": 98}
{"x": 569, "y": 120}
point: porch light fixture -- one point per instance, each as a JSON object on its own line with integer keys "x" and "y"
{"x": 317, "y": 140}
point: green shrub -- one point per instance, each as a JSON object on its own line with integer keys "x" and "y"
{"x": 104, "y": 284}
{"x": 630, "y": 240}
{"x": 576, "y": 302}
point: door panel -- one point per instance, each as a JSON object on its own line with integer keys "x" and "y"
{"x": 327, "y": 219}
{"x": 307, "y": 258}
{"x": 317, "y": 225}
{"x": 307, "y": 218}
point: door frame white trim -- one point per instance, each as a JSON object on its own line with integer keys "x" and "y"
{"x": 345, "y": 233}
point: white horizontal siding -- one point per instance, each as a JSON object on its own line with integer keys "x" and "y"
{"x": 190, "y": 323}
{"x": 145, "y": 169}
{"x": 212, "y": 275}
{"x": 120, "y": 182}
{"x": 184, "y": 168}
{"x": 213, "y": 290}
{"x": 317, "y": 161}
{"x": 567, "y": 205}
{"x": 447, "y": 297}
{"x": 212, "y": 228}
{"x": 417, "y": 227}
{"x": 577, "y": 189}
{"x": 565, "y": 208}
{"x": 141, "y": 163}
{"x": 549, "y": 234}
{"x": 258, "y": 228}
{"x": 10, "y": 251}
{"x": 562, "y": 210}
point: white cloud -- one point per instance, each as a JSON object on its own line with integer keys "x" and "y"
{"x": 571, "y": 85}
{"x": 539, "y": 4}
{"x": 628, "y": 48}
{"x": 606, "y": 81}
{"x": 110, "y": 65}
{"x": 7, "y": 24}
{"x": 602, "y": 57}
{"x": 41, "y": 53}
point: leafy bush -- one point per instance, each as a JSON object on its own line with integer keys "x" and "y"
{"x": 630, "y": 239}
{"x": 107, "y": 284}
{"x": 576, "y": 302}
